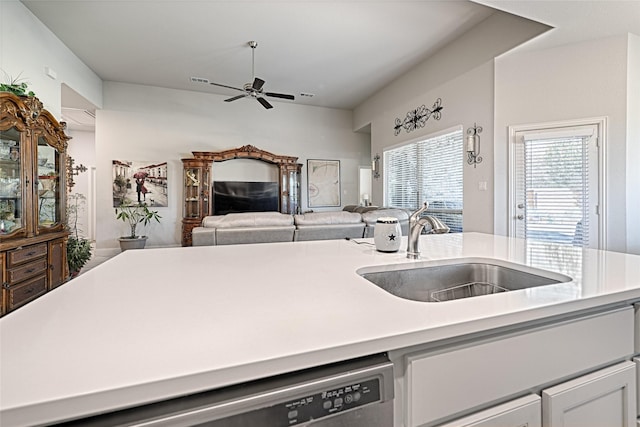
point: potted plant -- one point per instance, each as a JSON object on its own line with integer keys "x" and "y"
{"x": 15, "y": 86}
{"x": 78, "y": 247}
{"x": 135, "y": 214}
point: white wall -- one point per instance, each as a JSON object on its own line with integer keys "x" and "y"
{"x": 569, "y": 82}
{"x": 466, "y": 100}
{"x": 493, "y": 36}
{"x": 82, "y": 149}
{"x": 461, "y": 74}
{"x": 157, "y": 124}
{"x": 633, "y": 146}
{"x": 27, "y": 46}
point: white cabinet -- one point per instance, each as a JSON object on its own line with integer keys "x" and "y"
{"x": 523, "y": 412}
{"x": 458, "y": 378}
{"x": 636, "y": 348}
{"x": 637, "y": 361}
{"x": 603, "y": 398}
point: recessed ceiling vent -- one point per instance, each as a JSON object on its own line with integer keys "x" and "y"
{"x": 199, "y": 80}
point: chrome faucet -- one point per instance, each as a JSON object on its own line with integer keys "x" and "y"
{"x": 416, "y": 224}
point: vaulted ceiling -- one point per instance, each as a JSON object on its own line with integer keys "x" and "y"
{"x": 340, "y": 52}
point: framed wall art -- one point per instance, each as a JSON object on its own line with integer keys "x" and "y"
{"x": 323, "y": 183}
{"x": 137, "y": 182}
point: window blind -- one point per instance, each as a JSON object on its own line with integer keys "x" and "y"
{"x": 428, "y": 170}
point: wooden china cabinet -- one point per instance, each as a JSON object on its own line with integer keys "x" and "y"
{"x": 198, "y": 192}
{"x": 33, "y": 237}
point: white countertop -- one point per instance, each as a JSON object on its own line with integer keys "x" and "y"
{"x": 156, "y": 323}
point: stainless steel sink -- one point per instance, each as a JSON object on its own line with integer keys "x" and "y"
{"x": 455, "y": 279}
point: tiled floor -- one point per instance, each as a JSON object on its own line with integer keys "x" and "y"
{"x": 95, "y": 260}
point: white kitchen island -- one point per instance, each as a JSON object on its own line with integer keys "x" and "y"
{"x": 153, "y": 324}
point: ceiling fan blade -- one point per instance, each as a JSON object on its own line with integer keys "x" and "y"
{"x": 280, "y": 95}
{"x": 228, "y": 87}
{"x": 257, "y": 84}
{"x": 234, "y": 98}
{"x": 264, "y": 103}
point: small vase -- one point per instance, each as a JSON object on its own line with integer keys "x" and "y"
{"x": 387, "y": 234}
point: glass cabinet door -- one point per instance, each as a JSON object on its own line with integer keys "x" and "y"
{"x": 192, "y": 183}
{"x": 205, "y": 192}
{"x": 290, "y": 189}
{"x": 48, "y": 189}
{"x": 11, "y": 195}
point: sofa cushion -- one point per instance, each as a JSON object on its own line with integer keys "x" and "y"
{"x": 327, "y": 218}
{"x": 201, "y": 236}
{"x": 238, "y": 235}
{"x": 363, "y": 209}
{"x": 248, "y": 219}
{"x": 211, "y": 221}
{"x": 329, "y": 231}
{"x": 370, "y": 218}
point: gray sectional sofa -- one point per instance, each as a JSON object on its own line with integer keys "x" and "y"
{"x": 265, "y": 227}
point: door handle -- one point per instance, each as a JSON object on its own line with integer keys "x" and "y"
{"x": 520, "y": 216}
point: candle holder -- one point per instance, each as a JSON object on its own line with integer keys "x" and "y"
{"x": 473, "y": 145}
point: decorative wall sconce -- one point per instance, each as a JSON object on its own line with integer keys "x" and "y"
{"x": 375, "y": 166}
{"x": 417, "y": 118}
{"x": 472, "y": 146}
{"x": 73, "y": 171}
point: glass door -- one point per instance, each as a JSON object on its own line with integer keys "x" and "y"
{"x": 48, "y": 189}
{"x": 12, "y": 220}
{"x": 192, "y": 183}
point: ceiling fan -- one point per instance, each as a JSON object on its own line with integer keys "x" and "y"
{"x": 255, "y": 89}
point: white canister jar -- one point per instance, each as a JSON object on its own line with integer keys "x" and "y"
{"x": 387, "y": 234}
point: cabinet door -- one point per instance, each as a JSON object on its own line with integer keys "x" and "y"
{"x": 603, "y": 398}
{"x": 290, "y": 189}
{"x": 636, "y": 347}
{"x": 57, "y": 263}
{"x": 13, "y": 184}
{"x": 523, "y": 412}
{"x": 637, "y": 362}
{"x": 192, "y": 183}
{"x": 3, "y": 291}
{"x": 49, "y": 191}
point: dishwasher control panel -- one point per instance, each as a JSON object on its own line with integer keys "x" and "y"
{"x": 354, "y": 393}
{"x": 325, "y": 403}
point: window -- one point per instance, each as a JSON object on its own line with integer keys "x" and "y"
{"x": 427, "y": 170}
{"x": 555, "y": 181}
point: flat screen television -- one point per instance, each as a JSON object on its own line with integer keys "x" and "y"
{"x": 244, "y": 196}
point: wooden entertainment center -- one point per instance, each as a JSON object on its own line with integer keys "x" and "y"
{"x": 198, "y": 193}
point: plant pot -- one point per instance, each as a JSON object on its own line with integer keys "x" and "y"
{"x": 132, "y": 243}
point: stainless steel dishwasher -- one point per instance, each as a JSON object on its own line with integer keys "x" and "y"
{"x": 354, "y": 393}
